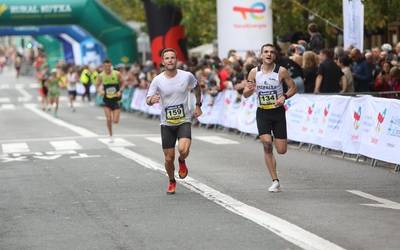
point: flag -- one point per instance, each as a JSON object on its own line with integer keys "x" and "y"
{"x": 165, "y": 30}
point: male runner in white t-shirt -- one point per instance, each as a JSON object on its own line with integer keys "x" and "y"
{"x": 172, "y": 89}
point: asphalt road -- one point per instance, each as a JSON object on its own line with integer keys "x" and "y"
{"x": 63, "y": 186}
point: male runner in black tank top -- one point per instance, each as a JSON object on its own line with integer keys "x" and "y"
{"x": 266, "y": 81}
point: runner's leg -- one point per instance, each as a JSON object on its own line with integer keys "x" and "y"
{"x": 269, "y": 158}
{"x": 108, "y": 113}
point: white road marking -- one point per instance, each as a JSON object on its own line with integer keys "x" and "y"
{"x": 79, "y": 130}
{"x": 384, "y": 203}
{"x": 216, "y": 140}
{"x": 47, "y": 157}
{"x": 4, "y": 86}
{"x": 5, "y": 100}
{"x": 283, "y": 228}
{"x": 66, "y": 152}
{"x": 65, "y": 145}
{"x": 156, "y": 139}
{"x": 25, "y": 95}
{"x": 116, "y": 142}
{"x": 70, "y": 138}
{"x": 34, "y": 85}
{"x": 8, "y": 106}
{"x": 15, "y": 148}
{"x": 81, "y": 156}
{"x": 103, "y": 118}
{"x": 5, "y": 159}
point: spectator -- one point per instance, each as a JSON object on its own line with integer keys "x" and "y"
{"x": 381, "y": 82}
{"x": 329, "y": 76}
{"x": 297, "y": 55}
{"x": 395, "y": 78}
{"x": 310, "y": 69}
{"x": 316, "y": 43}
{"x": 295, "y": 71}
{"x": 376, "y": 51}
{"x": 345, "y": 63}
{"x": 225, "y": 75}
{"x": 362, "y": 72}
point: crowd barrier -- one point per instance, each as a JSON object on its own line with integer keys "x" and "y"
{"x": 363, "y": 125}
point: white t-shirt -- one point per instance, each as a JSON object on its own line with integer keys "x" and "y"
{"x": 72, "y": 79}
{"x": 174, "y": 94}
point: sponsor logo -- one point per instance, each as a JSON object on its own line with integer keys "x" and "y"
{"x": 326, "y": 112}
{"x": 310, "y": 111}
{"x": 379, "y": 120}
{"x": 357, "y": 118}
{"x": 255, "y": 11}
{"x": 39, "y": 9}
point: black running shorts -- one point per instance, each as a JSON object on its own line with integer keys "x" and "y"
{"x": 113, "y": 105}
{"x": 169, "y": 134}
{"x": 272, "y": 122}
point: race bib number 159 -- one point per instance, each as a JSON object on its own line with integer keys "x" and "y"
{"x": 175, "y": 114}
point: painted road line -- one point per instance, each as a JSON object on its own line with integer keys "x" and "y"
{"x": 34, "y": 85}
{"x": 216, "y": 140}
{"x": 26, "y": 97}
{"x": 383, "y": 203}
{"x": 5, "y": 100}
{"x": 65, "y": 145}
{"x": 79, "y": 130}
{"x": 156, "y": 139}
{"x": 8, "y": 106}
{"x": 69, "y": 138}
{"x": 116, "y": 142}
{"x": 4, "y": 86}
{"x": 15, "y": 148}
{"x": 281, "y": 227}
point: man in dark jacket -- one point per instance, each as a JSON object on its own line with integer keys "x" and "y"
{"x": 362, "y": 72}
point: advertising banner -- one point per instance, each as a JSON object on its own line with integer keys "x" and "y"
{"x": 243, "y": 25}
{"x": 382, "y": 138}
{"x": 357, "y": 121}
{"x": 353, "y": 24}
{"x": 362, "y": 125}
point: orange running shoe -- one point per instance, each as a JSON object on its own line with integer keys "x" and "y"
{"x": 183, "y": 171}
{"x": 171, "y": 187}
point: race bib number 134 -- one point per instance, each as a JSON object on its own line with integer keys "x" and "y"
{"x": 268, "y": 99}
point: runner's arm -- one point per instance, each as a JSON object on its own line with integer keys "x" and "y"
{"x": 99, "y": 84}
{"x": 152, "y": 96}
{"x": 121, "y": 83}
{"x": 197, "y": 93}
{"x": 251, "y": 83}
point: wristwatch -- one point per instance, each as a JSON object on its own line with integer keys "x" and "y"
{"x": 199, "y": 104}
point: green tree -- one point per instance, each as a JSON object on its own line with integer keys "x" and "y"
{"x": 127, "y": 9}
{"x": 200, "y": 20}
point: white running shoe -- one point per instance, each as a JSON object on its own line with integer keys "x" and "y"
{"x": 275, "y": 187}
